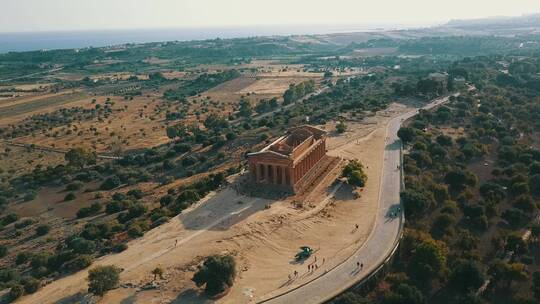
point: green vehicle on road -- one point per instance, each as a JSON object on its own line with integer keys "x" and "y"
{"x": 305, "y": 252}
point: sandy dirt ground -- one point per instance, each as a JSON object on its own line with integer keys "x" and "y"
{"x": 270, "y": 85}
{"x": 257, "y": 87}
{"x": 262, "y": 234}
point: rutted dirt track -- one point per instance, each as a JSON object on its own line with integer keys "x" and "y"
{"x": 264, "y": 240}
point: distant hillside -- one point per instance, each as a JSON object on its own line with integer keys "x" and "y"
{"x": 493, "y": 26}
{"x": 499, "y": 25}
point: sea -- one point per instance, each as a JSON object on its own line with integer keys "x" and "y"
{"x": 31, "y": 41}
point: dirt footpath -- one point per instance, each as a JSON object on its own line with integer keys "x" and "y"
{"x": 263, "y": 240}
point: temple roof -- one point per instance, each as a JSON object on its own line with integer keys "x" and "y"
{"x": 285, "y": 145}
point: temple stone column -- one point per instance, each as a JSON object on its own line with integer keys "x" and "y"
{"x": 292, "y": 177}
{"x": 283, "y": 176}
{"x": 267, "y": 169}
{"x": 257, "y": 172}
{"x": 253, "y": 170}
{"x": 274, "y": 175}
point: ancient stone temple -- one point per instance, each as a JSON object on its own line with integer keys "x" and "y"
{"x": 290, "y": 160}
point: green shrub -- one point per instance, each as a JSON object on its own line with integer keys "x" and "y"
{"x": 81, "y": 262}
{"x": 94, "y": 209}
{"x": 24, "y": 223}
{"x": 31, "y": 285}
{"x": 82, "y": 246}
{"x": 135, "y": 231}
{"x": 8, "y": 219}
{"x": 120, "y": 247}
{"x": 74, "y": 186}
{"x": 119, "y": 196}
{"x": 135, "y": 193}
{"x": 40, "y": 260}
{"x": 217, "y": 273}
{"x": 354, "y": 172}
{"x": 117, "y": 206}
{"x": 166, "y": 200}
{"x": 22, "y": 257}
{"x": 341, "y": 127}
{"x": 102, "y": 279}
{"x": 69, "y": 197}
{"x": 8, "y": 275}
{"x": 16, "y": 291}
{"x": 111, "y": 183}
{"x": 30, "y": 196}
{"x": 43, "y": 229}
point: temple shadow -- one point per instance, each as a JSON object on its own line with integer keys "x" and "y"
{"x": 345, "y": 192}
{"x": 234, "y": 203}
{"x": 223, "y": 209}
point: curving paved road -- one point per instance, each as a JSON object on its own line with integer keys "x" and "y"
{"x": 380, "y": 243}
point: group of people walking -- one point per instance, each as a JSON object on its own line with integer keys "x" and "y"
{"x": 311, "y": 267}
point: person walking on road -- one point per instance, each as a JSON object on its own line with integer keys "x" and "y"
{"x": 361, "y": 265}
{"x": 357, "y": 264}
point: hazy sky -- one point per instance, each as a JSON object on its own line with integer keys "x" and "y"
{"x": 45, "y": 15}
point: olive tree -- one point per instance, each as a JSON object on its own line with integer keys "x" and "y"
{"x": 217, "y": 273}
{"x": 102, "y": 279}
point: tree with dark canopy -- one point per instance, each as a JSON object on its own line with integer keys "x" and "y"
{"x": 466, "y": 276}
{"x": 217, "y": 272}
{"x": 102, "y": 279}
{"x": 79, "y": 157}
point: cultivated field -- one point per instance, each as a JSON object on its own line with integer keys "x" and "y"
{"x": 17, "y": 108}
